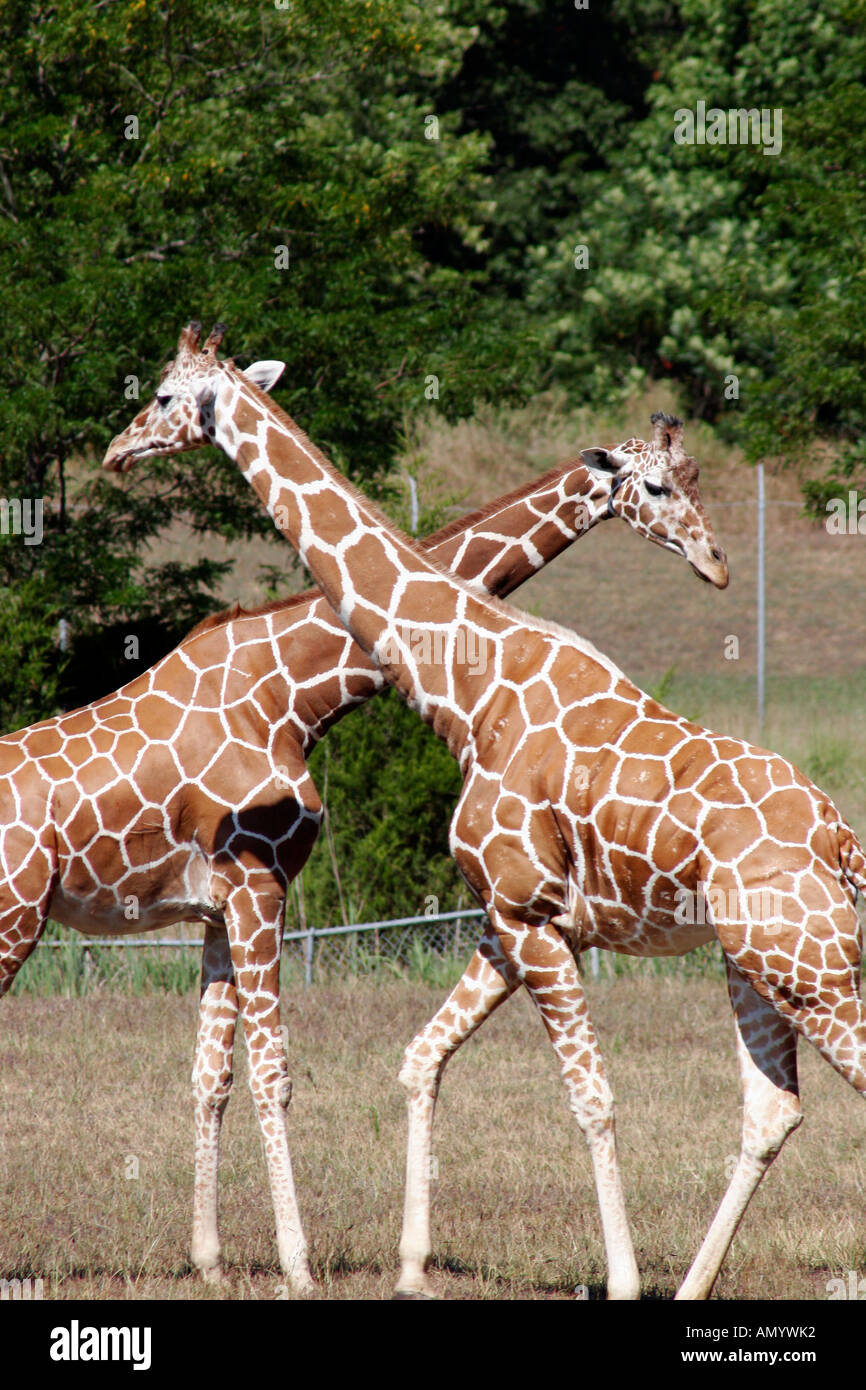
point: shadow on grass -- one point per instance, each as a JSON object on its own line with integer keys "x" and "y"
{"x": 490, "y": 1275}
{"x": 341, "y": 1265}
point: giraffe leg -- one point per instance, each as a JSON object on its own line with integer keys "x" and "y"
{"x": 20, "y": 930}
{"x": 547, "y": 967}
{"x": 486, "y": 982}
{"x": 255, "y": 931}
{"x": 212, "y": 1079}
{"x": 539, "y": 958}
{"x": 808, "y": 972}
{"x": 767, "y": 1055}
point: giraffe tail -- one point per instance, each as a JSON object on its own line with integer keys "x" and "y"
{"x": 852, "y": 860}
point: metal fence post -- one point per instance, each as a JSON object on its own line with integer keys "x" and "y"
{"x": 309, "y": 944}
{"x": 762, "y": 611}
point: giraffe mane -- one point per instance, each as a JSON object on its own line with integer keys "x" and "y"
{"x": 574, "y": 639}
{"x": 236, "y": 610}
{"x": 498, "y": 504}
{"x": 670, "y": 422}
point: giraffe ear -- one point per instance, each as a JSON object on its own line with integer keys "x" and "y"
{"x": 265, "y": 375}
{"x": 601, "y": 460}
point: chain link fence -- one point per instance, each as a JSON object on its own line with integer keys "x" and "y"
{"x": 434, "y": 948}
{"x": 426, "y": 945}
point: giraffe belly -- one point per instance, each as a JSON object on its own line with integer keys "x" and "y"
{"x": 638, "y": 937}
{"x": 178, "y": 890}
{"x": 592, "y": 919}
{"x": 104, "y": 917}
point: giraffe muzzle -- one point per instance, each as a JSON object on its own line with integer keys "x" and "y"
{"x": 714, "y": 571}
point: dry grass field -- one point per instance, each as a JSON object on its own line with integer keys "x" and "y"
{"x": 86, "y": 1085}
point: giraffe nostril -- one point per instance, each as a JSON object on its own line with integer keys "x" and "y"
{"x": 717, "y": 555}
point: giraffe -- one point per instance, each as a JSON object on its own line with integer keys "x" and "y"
{"x": 590, "y": 815}
{"x": 185, "y": 794}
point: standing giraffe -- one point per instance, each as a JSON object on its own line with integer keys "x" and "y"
{"x": 589, "y": 816}
{"x": 185, "y": 795}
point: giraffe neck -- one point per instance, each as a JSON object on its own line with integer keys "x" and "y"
{"x": 321, "y": 676}
{"x": 405, "y": 613}
{"x": 498, "y": 548}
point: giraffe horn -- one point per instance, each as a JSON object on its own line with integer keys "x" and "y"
{"x": 668, "y": 434}
{"x": 189, "y": 337}
{"x": 214, "y": 338}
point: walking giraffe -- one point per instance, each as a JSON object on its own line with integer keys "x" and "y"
{"x": 185, "y": 795}
{"x": 589, "y": 816}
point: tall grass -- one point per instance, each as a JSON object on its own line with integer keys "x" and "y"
{"x": 76, "y": 968}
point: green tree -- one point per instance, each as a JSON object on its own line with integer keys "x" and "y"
{"x": 263, "y": 166}
{"x": 390, "y": 788}
{"x": 693, "y": 265}
{"x": 810, "y": 405}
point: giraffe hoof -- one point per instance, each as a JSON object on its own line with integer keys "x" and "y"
{"x": 624, "y": 1293}
{"x": 213, "y": 1275}
{"x": 419, "y": 1294}
{"x": 303, "y": 1288}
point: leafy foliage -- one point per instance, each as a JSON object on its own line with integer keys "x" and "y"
{"x": 155, "y": 164}
{"x": 389, "y": 787}
{"x": 693, "y": 259}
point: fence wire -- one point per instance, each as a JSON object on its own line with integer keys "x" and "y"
{"x": 435, "y": 948}
{"x": 421, "y": 944}
{"x": 418, "y": 943}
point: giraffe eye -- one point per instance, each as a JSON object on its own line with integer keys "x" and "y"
{"x": 164, "y": 401}
{"x": 655, "y": 491}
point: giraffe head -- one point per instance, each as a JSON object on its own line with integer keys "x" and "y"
{"x": 180, "y": 415}
{"x": 654, "y": 487}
